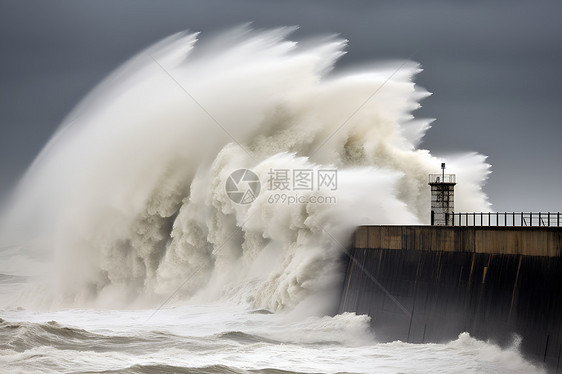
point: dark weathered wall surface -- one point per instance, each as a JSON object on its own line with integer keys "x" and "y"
{"x": 428, "y": 284}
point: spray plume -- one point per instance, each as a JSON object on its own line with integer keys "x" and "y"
{"x": 129, "y": 195}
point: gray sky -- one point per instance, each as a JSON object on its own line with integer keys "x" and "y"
{"x": 494, "y": 68}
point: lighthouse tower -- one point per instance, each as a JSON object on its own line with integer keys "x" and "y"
{"x": 442, "y": 197}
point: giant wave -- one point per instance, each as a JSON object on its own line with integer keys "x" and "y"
{"x": 129, "y": 195}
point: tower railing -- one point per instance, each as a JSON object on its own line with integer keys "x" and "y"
{"x": 442, "y": 178}
{"x": 518, "y": 219}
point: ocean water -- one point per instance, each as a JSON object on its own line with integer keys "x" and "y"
{"x": 126, "y": 249}
{"x": 224, "y": 338}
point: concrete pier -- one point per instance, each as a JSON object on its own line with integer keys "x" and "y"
{"x": 430, "y": 283}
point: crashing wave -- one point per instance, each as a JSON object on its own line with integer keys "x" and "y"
{"x": 130, "y": 193}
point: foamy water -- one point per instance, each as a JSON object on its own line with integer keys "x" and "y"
{"x": 126, "y": 210}
{"x": 226, "y": 338}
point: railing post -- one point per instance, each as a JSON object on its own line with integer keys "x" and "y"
{"x": 523, "y": 220}
{"x": 548, "y": 219}
{"x": 489, "y": 219}
{"x": 505, "y": 218}
{"x": 530, "y": 218}
{"x": 540, "y": 219}
{"x": 513, "y": 219}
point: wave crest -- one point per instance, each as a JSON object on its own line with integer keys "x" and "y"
{"x": 130, "y": 193}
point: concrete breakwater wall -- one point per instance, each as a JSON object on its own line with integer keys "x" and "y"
{"x": 428, "y": 284}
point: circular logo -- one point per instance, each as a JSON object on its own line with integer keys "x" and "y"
{"x": 243, "y": 186}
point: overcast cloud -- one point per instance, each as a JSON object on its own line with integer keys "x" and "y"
{"x": 493, "y": 67}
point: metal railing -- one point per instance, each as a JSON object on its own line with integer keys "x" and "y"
{"x": 547, "y": 219}
{"x": 442, "y": 178}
